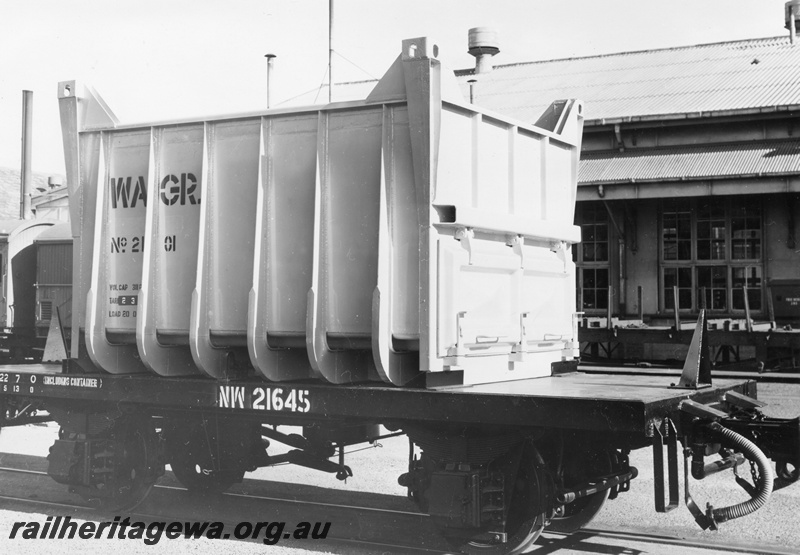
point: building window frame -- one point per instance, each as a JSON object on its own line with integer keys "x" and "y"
{"x": 712, "y": 245}
{"x": 593, "y": 257}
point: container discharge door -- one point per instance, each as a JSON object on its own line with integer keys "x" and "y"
{"x": 284, "y": 246}
{"x": 172, "y": 232}
{"x": 219, "y": 304}
{"x": 505, "y": 280}
{"x": 112, "y": 303}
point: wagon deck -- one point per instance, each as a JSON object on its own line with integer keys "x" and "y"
{"x": 602, "y": 403}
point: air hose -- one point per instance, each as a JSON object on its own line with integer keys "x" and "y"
{"x": 763, "y": 488}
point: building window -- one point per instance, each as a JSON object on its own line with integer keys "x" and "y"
{"x": 711, "y": 233}
{"x": 746, "y": 236}
{"x": 592, "y": 256}
{"x": 712, "y": 282}
{"x": 595, "y": 288}
{"x": 711, "y": 250}
{"x": 677, "y": 234}
{"x": 747, "y": 278}
{"x": 682, "y": 279}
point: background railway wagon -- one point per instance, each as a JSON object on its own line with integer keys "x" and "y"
{"x": 53, "y": 278}
{"x": 18, "y": 292}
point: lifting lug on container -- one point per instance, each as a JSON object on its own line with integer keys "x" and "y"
{"x": 518, "y": 351}
{"x": 561, "y": 248}
{"x": 465, "y": 236}
{"x": 517, "y": 244}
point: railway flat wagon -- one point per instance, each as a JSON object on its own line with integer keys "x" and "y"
{"x": 402, "y": 261}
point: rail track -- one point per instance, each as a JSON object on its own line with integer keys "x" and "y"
{"x": 174, "y": 503}
{"x": 356, "y": 527}
{"x": 653, "y": 369}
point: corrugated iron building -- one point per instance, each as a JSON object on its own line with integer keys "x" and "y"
{"x": 689, "y": 177}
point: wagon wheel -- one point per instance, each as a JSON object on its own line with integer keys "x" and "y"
{"x": 526, "y": 516}
{"x": 196, "y": 461}
{"x": 131, "y": 459}
{"x": 578, "y": 468}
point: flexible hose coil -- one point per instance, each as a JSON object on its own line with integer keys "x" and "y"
{"x": 764, "y": 485}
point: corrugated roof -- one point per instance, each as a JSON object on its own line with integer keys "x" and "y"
{"x": 751, "y": 74}
{"x": 754, "y": 75}
{"x": 55, "y": 234}
{"x": 15, "y": 226}
{"x": 691, "y": 162}
{"x": 9, "y": 191}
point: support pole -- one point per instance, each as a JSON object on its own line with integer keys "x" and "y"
{"x": 27, "y": 141}
{"x": 676, "y": 308}
{"x": 748, "y": 322}
{"x": 770, "y": 306}
{"x": 790, "y": 223}
{"x": 639, "y": 301}
{"x": 330, "y": 50}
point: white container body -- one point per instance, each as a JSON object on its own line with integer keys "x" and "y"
{"x": 376, "y": 241}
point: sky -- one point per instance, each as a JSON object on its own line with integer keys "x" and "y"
{"x": 153, "y": 60}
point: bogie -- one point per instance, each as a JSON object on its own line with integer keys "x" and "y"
{"x": 210, "y": 453}
{"x": 112, "y": 460}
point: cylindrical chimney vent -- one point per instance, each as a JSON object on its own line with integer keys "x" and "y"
{"x": 26, "y": 179}
{"x": 791, "y": 11}
{"x": 270, "y": 69}
{"x": 483, "y": 44}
